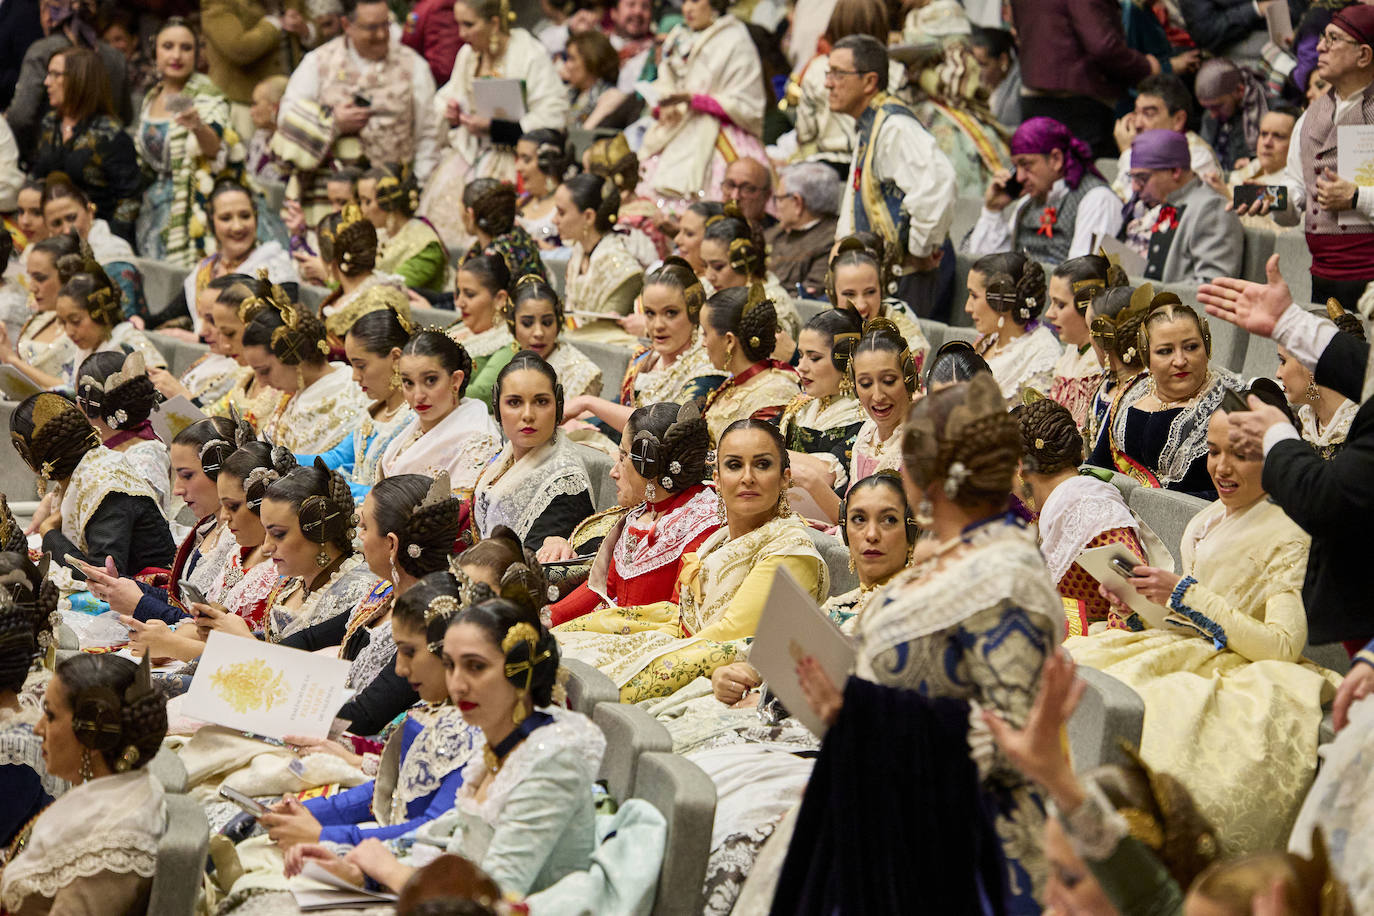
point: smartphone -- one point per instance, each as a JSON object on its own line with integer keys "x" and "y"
{"x": 1275, "y": 196}
{"x": 1123, "y": 566}
{"x": 1233, "y": 401}
{"x": 1013, "y": 187}
{"x": 190, "y": 594}
{"x": 246, "y": 802}
{"x": 361, "y": 100}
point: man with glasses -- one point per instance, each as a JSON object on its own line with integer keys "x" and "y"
{"x": 748, "y": 183}
{"x": 380, "y": 94}
{"x": 901, "y": 185}
{"x": 1339, "y": 215}
{"x": 1193, "y": 237}
{"x": 807, "y": 199}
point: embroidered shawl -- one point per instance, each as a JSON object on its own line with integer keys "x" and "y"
{"x": 100, "y": 472}
{"x": 516, "y": 492}
{"x": 462, "y": 443}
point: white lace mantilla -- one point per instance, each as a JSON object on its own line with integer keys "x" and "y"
{"x": 99, "y": 473}
{"x": 111, "y": 824}
{"x": 658, "y": 384}
{"x": 1026, "y": 361}
{"x": 350, "y": 584}
{"x": 673, "y": 533}
{"x": 1187, "y": 439}
{"x": 485, "y": 343}
{"x": 1077, "y": 511}
{"x": 576, "y": 371}
{"x": 515, "y": 493}
{"x": 1335, "y": 431}
{"x": 445, "y": 744}
{"x": 19, "y": 746}
{"x": 373, "y": 658}
{"x": 209, "y": 572}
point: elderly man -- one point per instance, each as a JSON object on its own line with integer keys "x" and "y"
{"x": 901, "y": 185}
{"x": 379, "y": 91}
{"x": 1340, "y": 215}
{"x": 1193, "y": 237}
{"x": 748, "y": 184}
{"x": 1234, "y": 103}
{"x": 1064, "y": 207}
{"x": 807, "y": 199}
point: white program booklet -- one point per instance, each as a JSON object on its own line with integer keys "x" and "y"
{"x": 1355, "y": 162}
{"x": 316, "y": 889}
{"x": 1097, "y": 562}
{"x": 172, "y": 416}
{"x": 266, "y": 689}
{"x": 1280, "y": 23}
{"x": 499, "y": 99}
{"x": 792, "y": 627}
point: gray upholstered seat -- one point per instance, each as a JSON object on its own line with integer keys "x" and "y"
{"x": 311, "y": 296}
{"x": 1166, "y": 512}
{"x": 810, "y": 308}
{"x": 587, "y": 687}
{"x": 836, "y": 557}
{"x": 598, "y": 465}
{"x": 1109, "y": 713}
{"x": 16, "y": 480}
{"x": 169, "y": 770}
{"x": 1259, "y": 245}
{"x": 1295, "y": 262}
{"x": 180, "y": 354}
{"x": 630, "y": 732}
{"x": 162, "y": 282}
{"x": 1261, "y": 358}
{"x": 180, "y": 858}
{"x": 611, "y": 360}
{"x": 686, "y": 798}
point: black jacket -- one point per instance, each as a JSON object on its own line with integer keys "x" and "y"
{"x": 1333, "y": 501}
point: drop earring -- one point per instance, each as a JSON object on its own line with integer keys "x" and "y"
{"x": 650, "y": 493}
{"x": 1311, "y": 392}
{"x": 925, "y": 513}
{"x": 395, "y": 376}
{"x": 322, "y": 558}
{"x": 86, "y": 773}
{"x": 518, "y": 713}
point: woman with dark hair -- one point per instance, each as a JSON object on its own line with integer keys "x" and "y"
{"x": 212, "y": 375}
{"x": 81, "y": 137}
{"x": 478, "y": 147}
{"x": 535, "y": 822}
{"x": 251, "y": 397}
{"x": 733, "y": 254}
{"x": 541, "y": 162}
{"x": 197, "y": 454}
{"x": 348, "y": 250}
{"x": 1157, "y": 429}
{"x": 287, "y": 349}
{"x": 739, "y": 331}
{"x": 41, "y": 346}
{"x": 450, "y": 430}
{"x": 1324, "y": 415}
{"x": 670, "y": 513}
{"x": 241, "y": 244}
{"x": 925, "y": 647}
{"x": 180, "y": 147}
{"x": 1114, "y": 318}
{"x": 640, "y": 219}
{"x": 820, "y": 424}
{"x": 956, "y": 361}
{"x": 115, "y": 393}
{"x": 859, "y": 279}
{"x": 883, "y": 375}
{"x": 104, "y": 720}
{"x": 673, "y": 366}
{"x": 709, "y": 75}
{"x": 375, "y": 327}
{"x": 489, "y": 216}
{"x": 535, "y": 320}
{"x": 603, "y": 276}
{"x": 691, "y": 229}
{"x": 537, "y": 486}
{"x": 483, "y": 298}
{"x": 591, "y": 69}
{"x": 411, "y": 247}
{"x": 89, "y": 305}
{"x": 1006, "y": 293}
{"x": 67, "y": 209}
{"x": 1078, "y": 374}
{"x": 104, "y": 507}
{"x": 656, "y": 649}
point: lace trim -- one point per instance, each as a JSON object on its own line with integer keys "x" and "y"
{"x": 675, "y": 532}
{"x": 373, "y": 658}
{"x": 1077, "y": 511}
{"x": 1095, "y": 828}
{"x": 1187, "y": 438}
{"x": 502, "y": 500}
{"x": 1335, "y": 432}
{"x": 443, "y": 746}
{"x": 121, "y": 852}
{"x": 1199, "y": 621}
{"x": 485, "y": 343}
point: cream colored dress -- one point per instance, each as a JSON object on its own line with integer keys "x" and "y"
{"x": 315, "y": 420}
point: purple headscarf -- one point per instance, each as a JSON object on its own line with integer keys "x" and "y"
{"x": 1042, "y": 136}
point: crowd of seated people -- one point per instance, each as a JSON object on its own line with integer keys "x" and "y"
{"x": 513, "y": 360}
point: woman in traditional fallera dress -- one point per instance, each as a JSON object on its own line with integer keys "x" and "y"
{"x": 860, "y": 273}
{"x": 449, "y": 431}
{"x": 1324, "y": 416}
{"x": 1006, "y": 292}
{"x": 348, "y": 250}
{"x": 819, "y": 426}
{"x": 115, "y": 393}
{"x": 1079, "y": 373}
{"x": 733, "y": 254}
{"x": 971, "y": 621}
{"x": 659, "y": 475}
{"x": 603, "y": 277}
{"x": 41, "y": 345}
{"x": 489, "y": 215}
{"x": 654, "y": 650}
{"x": 739, "y": 330}
{"x": 882, "y": 372}
{"x": 248, "y": 396}
{"x": 409, "y": 245}
{"x": 1229, "y": 656}
{"x": 535, "y": 320}
{"x": 1157, "y": 429}
{"x": 482, "y": 300}
{"x": 1114, "y": 319}
{"x": 537, "y": 486}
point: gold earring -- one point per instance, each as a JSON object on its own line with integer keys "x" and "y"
{"x": 784, "y": 505}
{"x": 300, "y": 380}
{"x": 395, "y": 376}
{"x": 518, "y": 714}
{"x": 322, "y": 558}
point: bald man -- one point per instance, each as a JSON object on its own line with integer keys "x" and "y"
{"x": 749, "y": 184}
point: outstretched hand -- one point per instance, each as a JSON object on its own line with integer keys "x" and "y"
{"x": 1256, "y": 307}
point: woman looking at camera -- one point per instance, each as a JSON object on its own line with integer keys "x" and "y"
{"x": 659, "y": 475}
{"x": 674, "y": 367}
{"x": 739, "y": 330}
{"x": 482, "y": 300}
{"x": 720, "y": 597}
{"x": 883, "y": 375}
{"x": 537, "y": 486}
{"x": 535, "y": 320}
{"x": 858, "y": 278}
{"x": 103, "y": 721}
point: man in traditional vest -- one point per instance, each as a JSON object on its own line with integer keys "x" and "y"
{"x": 1064, "y": 206}
{"x": 901, "y": 185}
{"x": 380, "y": 94}
{"x": 1340, "y": 214}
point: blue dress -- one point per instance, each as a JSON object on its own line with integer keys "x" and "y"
{"x": 28, "y": 785}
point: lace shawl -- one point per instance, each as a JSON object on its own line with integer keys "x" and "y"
{"x": 1027, "y": 361}
{"x": 664, "y": 544}
{"x": 46, "y": 356}
{"x": 1335, "y": 432}
{"x": 576, "y": 371}
{"x": 608, "y": 268}
{"x": 249, "y": 591}
{"x": 485, "y": 343}
{"x": 19, "y": 746}
{"x": 1187, "y": 438}
{"x": 208, "y": 574}
{"x": 515, "y": 493}
{"x": 350, "y": 584}
{"x": 653, "y": 383}
{"x": 99, "y": 473}
{"x": 210, "y": 376}
{"x": 373, "y": 657}
{"x": 315, "y": 420}
{"x": 1077, "y": 511}
{"x": 129, "y": 817}
{"x": 445, "y": 743}
{"x": 463, "y": 443}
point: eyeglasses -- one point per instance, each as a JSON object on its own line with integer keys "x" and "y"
{"x": 835, "y": 73}
{"x": 729, "y": 186}
{"x": 1331, "y": 39}
{"x": 377, "y": 28}
{"x": 1139, "y": 178}
{"x": 780, "y": 196}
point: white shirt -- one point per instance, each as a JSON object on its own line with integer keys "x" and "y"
{"x": 305, "y": 84}
{"x": 908, "y": 156}
{"x": 1305, "y": 336}
{"x": 1293, "y": 171}
{"x": 1098, "y": 215}
{"x": 11, "y": 176}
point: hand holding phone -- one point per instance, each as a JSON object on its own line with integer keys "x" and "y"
{"x": 1123, "y": 566}
{"x": 246, "y": 802}
{"x": 190, "y": 594}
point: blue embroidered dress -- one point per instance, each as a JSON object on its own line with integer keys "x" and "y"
{"x": 359, "y": 456}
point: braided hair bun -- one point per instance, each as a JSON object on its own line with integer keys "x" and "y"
{"x": 349, "y": 240}
{"x": 27, "y": 585}
{"x": 1050, "y": 440}
{"x": 425, "y": 517}
{"x": 749, "y": 315}
{"x": 492, "y": 204}
{"x": 326, "y": 514}
{"x": 12, "y": 537}
{"x": 881, "y": 335}
{"x": 290, "y": 333}
{"x": 117, "y": 710}
{"x": 258, "y": 465}
{"x": 116, "y": 388}
{"x": 963, "y": 440}
{"x": 675, "y": 458}
{"x": 51, "y": 434}
{"x": 18, "y": 648}
{"x": 397, "y": 189}
{"x": 744, "y": 246}
{"x": 1015, "y": 284}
